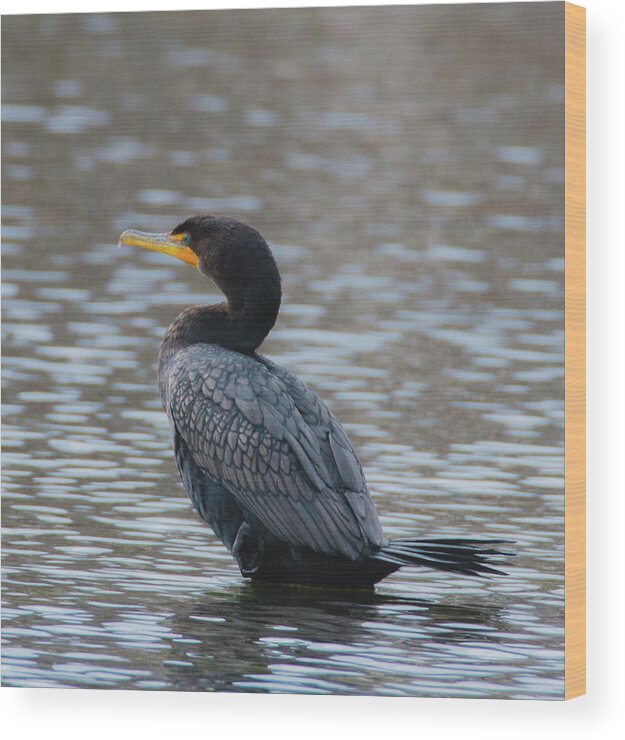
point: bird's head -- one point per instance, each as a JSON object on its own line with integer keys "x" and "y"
{"x": 232, "y": 253}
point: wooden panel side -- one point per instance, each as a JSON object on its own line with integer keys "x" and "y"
{"x": 575, "y": 350}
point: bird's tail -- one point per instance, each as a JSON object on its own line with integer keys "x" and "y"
{"x": 469, "y": 557}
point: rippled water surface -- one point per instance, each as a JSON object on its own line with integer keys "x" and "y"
{"x": 406, "y": 166}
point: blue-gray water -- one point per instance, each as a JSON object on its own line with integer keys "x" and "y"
{"x": 406, "y": 166}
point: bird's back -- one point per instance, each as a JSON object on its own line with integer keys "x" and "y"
{"x": 262, "y": 434}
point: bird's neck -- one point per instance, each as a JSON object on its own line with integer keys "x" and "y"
{"x": 239, "y": 323}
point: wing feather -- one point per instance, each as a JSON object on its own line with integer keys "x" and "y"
{"x": 266, "y": 437}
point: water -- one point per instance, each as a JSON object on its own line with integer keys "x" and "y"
{"x": 406, "y": 166}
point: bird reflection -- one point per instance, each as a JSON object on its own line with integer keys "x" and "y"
{"x": 328, "y": 640}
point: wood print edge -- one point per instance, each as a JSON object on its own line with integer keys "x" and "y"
{"x": 575, "y": 351}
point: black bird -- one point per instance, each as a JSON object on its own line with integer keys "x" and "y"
{"x": 265, "y": 462}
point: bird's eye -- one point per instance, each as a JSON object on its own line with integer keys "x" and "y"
{"x": 186, "y": 240}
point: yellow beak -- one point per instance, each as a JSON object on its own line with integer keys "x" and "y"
{"x": 165, "y": 243}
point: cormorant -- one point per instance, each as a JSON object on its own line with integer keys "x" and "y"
{"x": 265, "y": 462}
